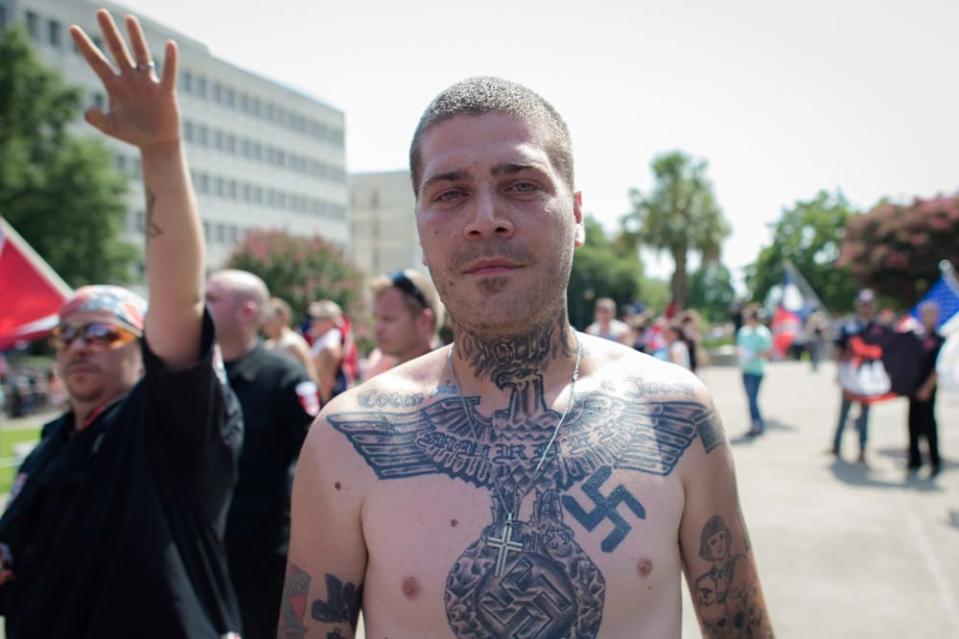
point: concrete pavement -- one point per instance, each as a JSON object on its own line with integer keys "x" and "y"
{"x": 844, "y": 549}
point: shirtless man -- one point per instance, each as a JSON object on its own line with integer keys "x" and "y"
{"x": 529, "y": 480}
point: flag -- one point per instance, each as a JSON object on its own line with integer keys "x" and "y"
{"x": 796, "y": 303}
{"x": 945, "y": 293}
{"x": 31, "y": 291}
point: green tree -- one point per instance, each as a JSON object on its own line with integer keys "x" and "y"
{"x": 601, "y": 268}
{"x": 679, "y": 215}
{"x": 299, "y": 270}
{"x": 810, "y": 235}
{"x": 711, "y": 291}
{"x": 896, "y": 248}
{"x": 60, "y": 192}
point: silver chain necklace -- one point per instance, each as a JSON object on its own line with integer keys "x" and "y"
{"x": 505, "y": 544}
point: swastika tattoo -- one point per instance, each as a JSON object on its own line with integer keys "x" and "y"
{"x": 605, "y": 507}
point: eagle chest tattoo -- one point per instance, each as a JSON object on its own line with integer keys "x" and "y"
{"x": 531, "y": 579}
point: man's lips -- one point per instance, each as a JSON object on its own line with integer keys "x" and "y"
{"x": 80, "y": 367}
{"x": 491, "y": 267}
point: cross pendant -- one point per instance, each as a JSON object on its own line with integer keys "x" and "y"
{"x": 504, "y": 544}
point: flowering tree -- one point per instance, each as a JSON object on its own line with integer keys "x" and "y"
{"x": 896, "y": 248}
{"x": 299, "y": 270}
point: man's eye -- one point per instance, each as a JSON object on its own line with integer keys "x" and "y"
{"x": 524, "y": 187}
{"x": 447, "y": 196}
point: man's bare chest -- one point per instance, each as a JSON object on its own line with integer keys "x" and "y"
{"x": 462, "y": 507}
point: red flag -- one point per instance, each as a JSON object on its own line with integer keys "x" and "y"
{"x": 31, "y": 293}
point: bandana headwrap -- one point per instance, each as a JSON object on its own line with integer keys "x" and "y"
{"x": 123, "y": 306}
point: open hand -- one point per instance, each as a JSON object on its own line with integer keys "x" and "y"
{"x": 143, "y": 108}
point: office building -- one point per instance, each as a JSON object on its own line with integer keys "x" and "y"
{"x": 262, "y": 155}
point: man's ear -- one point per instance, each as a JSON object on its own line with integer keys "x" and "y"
{"x": 426, "y": 320}
{"x": 580, "y": 232}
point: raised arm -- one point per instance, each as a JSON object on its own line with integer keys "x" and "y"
{"x": 326, "y": 563}
{"x": 144, "y": 112}
{"x": 717, "y": 554}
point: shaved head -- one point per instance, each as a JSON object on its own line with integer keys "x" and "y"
{"x": 244, "y": 287}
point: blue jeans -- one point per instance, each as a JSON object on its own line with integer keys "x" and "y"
{"x": 862, "y": 423}
{"x": 752, "y": 381}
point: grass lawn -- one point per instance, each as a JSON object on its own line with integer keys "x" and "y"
{"x": 9, "y": 437}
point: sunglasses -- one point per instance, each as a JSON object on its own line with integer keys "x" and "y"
{"x": 405, "y": 284}
{"x": 98, "y": 336}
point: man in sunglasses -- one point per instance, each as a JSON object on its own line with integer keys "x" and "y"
{"x": 406, "y": 315}
{"x": 115, "y": 525}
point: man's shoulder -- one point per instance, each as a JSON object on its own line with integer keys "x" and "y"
{"x": 643, "y": 376}
{"x": 407, "y": 385}
{"x": 267, "y": 362}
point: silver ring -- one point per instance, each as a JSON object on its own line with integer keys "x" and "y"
{"x": 146, "y": 67}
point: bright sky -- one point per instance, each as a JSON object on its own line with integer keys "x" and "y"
{"x": 782, "y": 98}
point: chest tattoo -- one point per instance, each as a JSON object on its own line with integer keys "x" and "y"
{"x": 530, "y": 578}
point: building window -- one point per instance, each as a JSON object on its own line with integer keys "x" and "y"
{"x": 229, "y": 97}
{"x": 217, "y": 92}
{"x": 33, "y": 25}
{"x": 201, "y": 86}
{"x": 206, "y": 230}
{"x": 231, "y": 143}
{"x": 53, "y": 33}
{"x": 218, "y": 187}
{"x": 220, "y": 234}
{"x": 231, "y": 189}
{"x": 188, "y": 130}
{"x": 255, "y": 106}
{"x": 186, "y": 80}
{"x": 217, "y": 139}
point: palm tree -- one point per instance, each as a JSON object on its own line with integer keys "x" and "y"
{"x": 679, "y": 215}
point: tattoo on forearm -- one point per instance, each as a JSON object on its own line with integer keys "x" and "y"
{"x": 728, "y": 593}
{"x": 293, "y": 606}
{"x": 153, "y": 230}
{"x": 342, "y": 605}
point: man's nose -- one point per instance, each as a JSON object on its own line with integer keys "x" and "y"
{"x": 487, "y": 218}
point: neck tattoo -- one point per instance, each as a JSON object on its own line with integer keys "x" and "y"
{"x": 505, "y": 544}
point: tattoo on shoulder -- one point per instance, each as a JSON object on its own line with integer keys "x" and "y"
{"x": 648, "y": 388}
{"x": 342, "y": 605}
{"x": 728, "y": 593}
{"x": 711, "y": 431}
{"x": 377, "y": 399}
{"x": 153, "y": 230}
{"x": 293, "y": 605}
